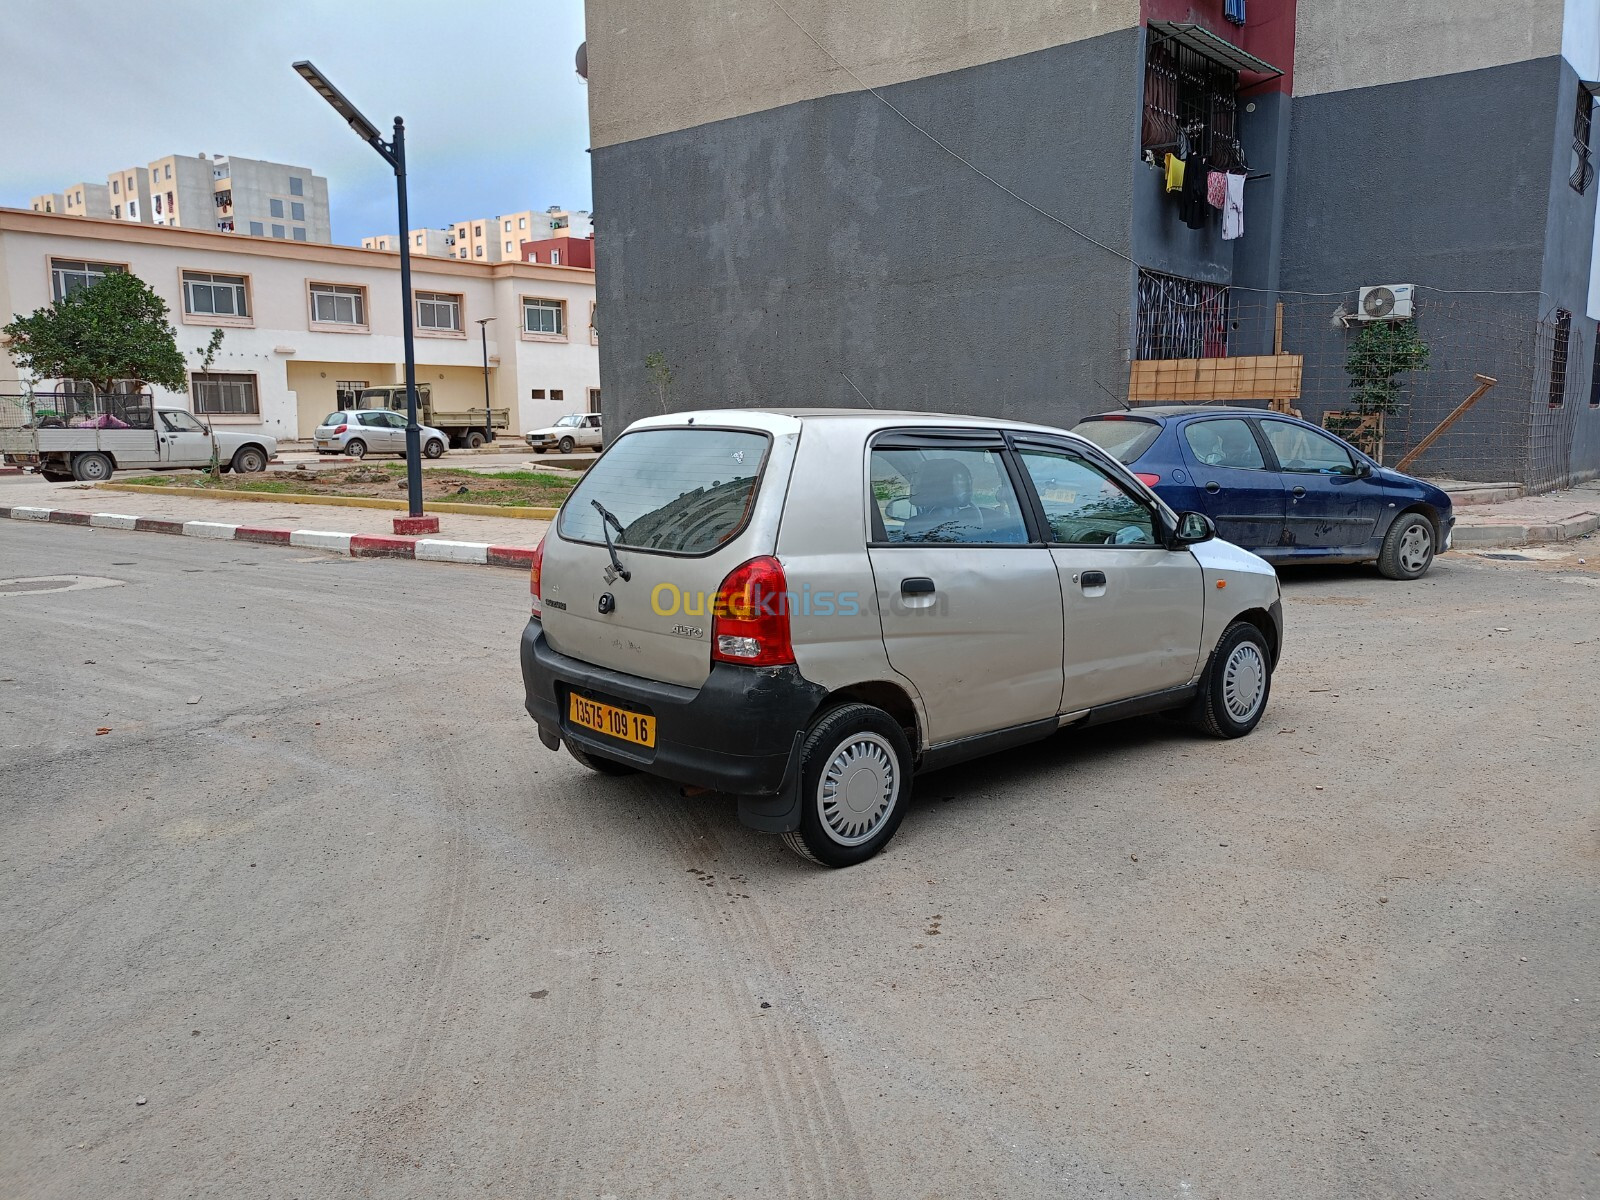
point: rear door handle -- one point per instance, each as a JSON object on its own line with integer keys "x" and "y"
{"x": 1213, "y": 487}
{"x": 918, "y": 585}
{"x": 1092, "y": 579}
{"x": 1299, "y": 491}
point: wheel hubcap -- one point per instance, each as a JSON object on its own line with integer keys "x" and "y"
{"x": 1416, "y": 548}
{"x": 858, "y": 789}
{"x": 1244, "y": 681}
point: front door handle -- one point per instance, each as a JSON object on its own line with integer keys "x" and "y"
{"x": 918, "y": 585}
{"x": 1092, "y": 579}
{"x": 1299, "y": 491}
{"x": 1213, "y": 487}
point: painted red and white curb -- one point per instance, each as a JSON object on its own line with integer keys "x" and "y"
{"x": 355, "y": 545}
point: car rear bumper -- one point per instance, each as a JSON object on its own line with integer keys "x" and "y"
{"x": 739, "y": 732}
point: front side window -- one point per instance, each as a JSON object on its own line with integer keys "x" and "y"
{"x": 1302, "y": 450}
{"x": 679, "y": 491}
{"x": 1084, "y": 505}
{"x": 226, "y": 395}
{"x": 68, "y": 276}
{"x": 945, "y": 496}
{"x": 210, "y": 295}
{"x": 439, "y": 311}
{"x": 1226, "y": 443}
{"x": 338, "y": 304}
{"x": 544, "y": 316}
{"x": 181, "y": 422}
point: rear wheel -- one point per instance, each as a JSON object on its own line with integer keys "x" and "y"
{"x": 91, "y": 468}
{"x": 1237, "y": 682}
{"x": 355, "y": 448}
{"x": 434, "y": 448}
{"x": 1407, "y": 548}
{"x": 249, "y": 459}
{"x": 566, "y": 445}
{"x": 599, "y": 763}
{"x": 474, "y": 440}
{"x": 855, "y": 781}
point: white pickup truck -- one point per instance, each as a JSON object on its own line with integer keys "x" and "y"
{"x": 171, "y": 439}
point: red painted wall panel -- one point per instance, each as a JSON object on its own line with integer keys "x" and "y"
{"x": 1268, "y": 31}
{"x": 575, "y": 252}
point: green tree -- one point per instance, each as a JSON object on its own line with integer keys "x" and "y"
{"x": 115, "y": 330}
{"x": 1380, "y": 353}
{"x": 655, "y": 365}
{"x": 208, "y": 355}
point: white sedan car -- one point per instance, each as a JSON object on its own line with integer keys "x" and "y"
{"x": 567, "y": 434}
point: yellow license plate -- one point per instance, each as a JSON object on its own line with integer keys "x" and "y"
{"x": 613, "y": 722}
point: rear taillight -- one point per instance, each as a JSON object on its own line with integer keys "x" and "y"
{"x": 533, "y": 579}
{"x": 1146, "y": 478}
{"x": 340, "y": 430}
{"x": 750, "y": 620}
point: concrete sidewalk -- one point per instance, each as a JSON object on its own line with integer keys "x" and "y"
{"x": 1529, "y": 520}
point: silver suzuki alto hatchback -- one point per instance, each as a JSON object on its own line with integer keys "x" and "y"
{"x": 805, "y": 608}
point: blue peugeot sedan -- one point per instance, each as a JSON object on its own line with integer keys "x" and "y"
{"x": 1280, "y": 487}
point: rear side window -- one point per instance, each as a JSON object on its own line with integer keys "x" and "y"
{"x": 1224, "y": 443}
{"x": 1123, "y": 439}
{"x": 946, "y": 497}
{"x": 679, "y": 491}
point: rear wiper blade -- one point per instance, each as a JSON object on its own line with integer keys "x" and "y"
{"x": 608, "y": 519}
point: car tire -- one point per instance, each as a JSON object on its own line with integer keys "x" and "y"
{"x": 855, "y": 783}
{"x": 1236, "y": 685}
{"x": 599, "y": 763}
{"x": 565, "y": 445}
{"x": 355, "y": 448}
{"x": 249, "y": 460}
{"x": 1407, "y": 548}
{"x": 474, "y": 440}
{"x": 434, "y": 448}
{"x": 91, "y": 468}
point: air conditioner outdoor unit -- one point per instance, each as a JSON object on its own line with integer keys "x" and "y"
{"x": 1387, "y": 302}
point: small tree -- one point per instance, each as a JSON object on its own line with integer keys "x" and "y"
{"x": 1380, "y": 353}
{"x": 655, "y": 365}
{"x": 113, "y": 331}
{"x": 208, "y": 354}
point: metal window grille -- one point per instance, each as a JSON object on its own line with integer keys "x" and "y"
{"x": 1582, "y": 123}
{"x": 1594, "y": 374}
{"x": 1182, "y": 88}
{"x": 225, "y": 395}
{"x": 1560, "y": 346}
{"x": 1181, "y": 318}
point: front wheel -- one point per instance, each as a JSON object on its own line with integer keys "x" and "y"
{"x": 1237, "y": 682}
{"x": 855, "y": 782}
{"x": 434, "y": 448}
{"x": 474, "y": 440}
{"x": 1407, "y": 548}
{"x": 566, "y": 445}
{"x": 355, "y": 448}
{"x": 249, "y": 460}
{"x": 91, "y": 468}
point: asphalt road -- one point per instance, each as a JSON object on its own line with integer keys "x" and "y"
{"x": 349, "y": 930}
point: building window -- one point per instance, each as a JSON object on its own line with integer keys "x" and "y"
{"x": 338, "y": 304}
{"x": 257, "y": 229}
{"x": 544, "y": 316}
{"x": 508, "y": 226}
{"x": 68, "y": 276}
{"x": 477, "y": 251}
{"x": 555, "y": 258}
{"x": 594, "y": 400}
{"x": 536, "y": 393}
{"x": 1560, "y": 344}
{"x": 297, "y": 212}
{"x": 1180, "y": 318}
{"x": 349, "y": 391}
{"x": 208, "y": 295}
{"x": 117, "y": 212}
{"x": 275, "y": 208}
{"x": 297, "y": 186}
{"x": 158, "y": 202}
{"x": 155, "y": 175}
{"x": 522, "y": 222}
{"x": 1183, "y": 88}
{"x": 300, "y": 235}
{"x": 278, "y": 231}
{"x": 439, "y": 311}
{"x": 508, "y": 247}
{"x": 115, "y": 186}
{"x": 477, "y": 231}
{"x": 168, "y": 171}
{"x": 1582, "y": 123}
{"x": 418, "y": 239}
{"x": 557, "y": 395}
{"x": 463, "y": 253}
{"x": 221, "y": 395}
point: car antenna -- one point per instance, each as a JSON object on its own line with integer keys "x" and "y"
{"x": 858, "y": 391}
{"x": 1126, "y": 407}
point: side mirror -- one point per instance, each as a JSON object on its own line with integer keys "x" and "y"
{"x": 1192, "y": 529}
{"x": 1363, "y": 470}
{"x": 898, "y": 510}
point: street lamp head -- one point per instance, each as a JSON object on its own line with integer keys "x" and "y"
{"x": 485, "y": 320}
{"x": 319, "y": 82}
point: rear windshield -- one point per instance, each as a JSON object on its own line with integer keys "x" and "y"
{"x": 679, "y": 491}
{"x": 1119, "y": 437}
{"x": 333, "y": 419}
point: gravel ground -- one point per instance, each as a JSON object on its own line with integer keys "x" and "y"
{"x": 342, "y": 927}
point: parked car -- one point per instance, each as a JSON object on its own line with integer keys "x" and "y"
{"x": 359, "y": 434}
{"x": 134, "y": 437}
{"x": 570, "y": 432}
{"x": 1280, "y": 487}
{"x": 464, "y": 425}
{"x": 804, "y": 608}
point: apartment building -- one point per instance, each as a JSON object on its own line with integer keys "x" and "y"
{"x": 222, "y": 193}
{"x": 440, "y": 243}
{"x": 1000, "y": 233}
{"x": 308, "y": 325}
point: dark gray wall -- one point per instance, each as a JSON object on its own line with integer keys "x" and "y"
{"x": 769, "y": 256}
{"x": 1445, "y": 183}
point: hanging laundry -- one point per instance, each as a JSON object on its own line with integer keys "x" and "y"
{"x": 1216, "y": 189}
{"x": 1174, "y": 173}
{"x": 1234, "y": 11}
{"x": 1192, "y": 205}
{"x": 1233, "y": 210}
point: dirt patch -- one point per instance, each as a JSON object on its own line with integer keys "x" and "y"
{"x": 514, "y": 489}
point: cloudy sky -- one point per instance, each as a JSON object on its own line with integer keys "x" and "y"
{"x": 496, "y": 118}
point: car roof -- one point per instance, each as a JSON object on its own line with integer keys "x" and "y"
{"x": 1163, "y": 412}
{"x": 773, "y": 419}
